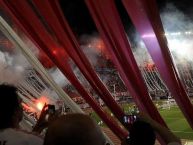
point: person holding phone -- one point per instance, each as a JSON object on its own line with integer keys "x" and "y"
{"x": 47, "y": 115}
{"x": 11, "y": 113}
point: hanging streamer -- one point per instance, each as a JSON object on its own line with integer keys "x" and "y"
{"x": 51, "y": 12}
{"x": 37, "y": 32}
{"x": 110, "y": 27}
{"x": 145, "y": 17}
{"x": 18, "y": 42}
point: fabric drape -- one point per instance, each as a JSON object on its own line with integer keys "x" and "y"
{"x": 111, "y": 29}
{"x": 51, "y": 12}
{"x": 145, "y": 16}
{"x": 36, "y": 30}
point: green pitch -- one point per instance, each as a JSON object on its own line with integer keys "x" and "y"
{"x": 173, "y": 117}
{"x": 177, "y": 123}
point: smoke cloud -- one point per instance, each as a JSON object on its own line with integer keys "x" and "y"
{"x": 93, "y": 47}
{"x": 178, "y": 28}
{"x": 58, "y": 77}
{"x": 140, "y": 52}
{"x": 178, "y": 32}
{"x": 12, "y": 67}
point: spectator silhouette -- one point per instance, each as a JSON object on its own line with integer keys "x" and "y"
{"x": 143, "y": 131}
{"x": 74, "y": 129}
{"x": 11, "y": 114}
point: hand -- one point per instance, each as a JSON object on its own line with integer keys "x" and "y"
{"x": 41, "y": 122}
{"x": 44, "y": 119}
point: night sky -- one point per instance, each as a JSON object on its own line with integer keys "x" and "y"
{"x": 81, "y": 22}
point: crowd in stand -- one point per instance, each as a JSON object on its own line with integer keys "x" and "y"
{"x": 69, "y": 129}
{"x": 111, "y": 80}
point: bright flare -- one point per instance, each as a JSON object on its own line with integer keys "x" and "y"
{"x": 181, "y": 47}
{"x": 40, "y": 105}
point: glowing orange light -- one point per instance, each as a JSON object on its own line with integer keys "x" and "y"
{"x": 41, "y": 102}
{"x": 40, "y": 105}
{"x": 150, "y": 66}
{"x": 26, "y": 107}
{"x": 99, "y": 46}
{"x": 54, "y": 51}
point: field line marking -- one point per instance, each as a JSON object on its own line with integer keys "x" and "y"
{"x": 182, "y": 131}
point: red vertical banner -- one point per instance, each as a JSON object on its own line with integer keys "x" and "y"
{"x": 111, "y": 29}
{"x": 53, "y": 15}
{"x": 145, "y": 16}
{"x": 23, "y": 13}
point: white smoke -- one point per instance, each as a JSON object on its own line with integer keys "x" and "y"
{"x": 51, "y": 95}
{"x": 58, "y": 77}
{"x": 175, "y": 20}
{"x": 13, "y": 64}
{"x": 89, "y": 50}
{"x": 140, "y": 53}
{"x": 11, "y": 71}
{"x": 177, "y": 28}
{"x": 93, "y": 47}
